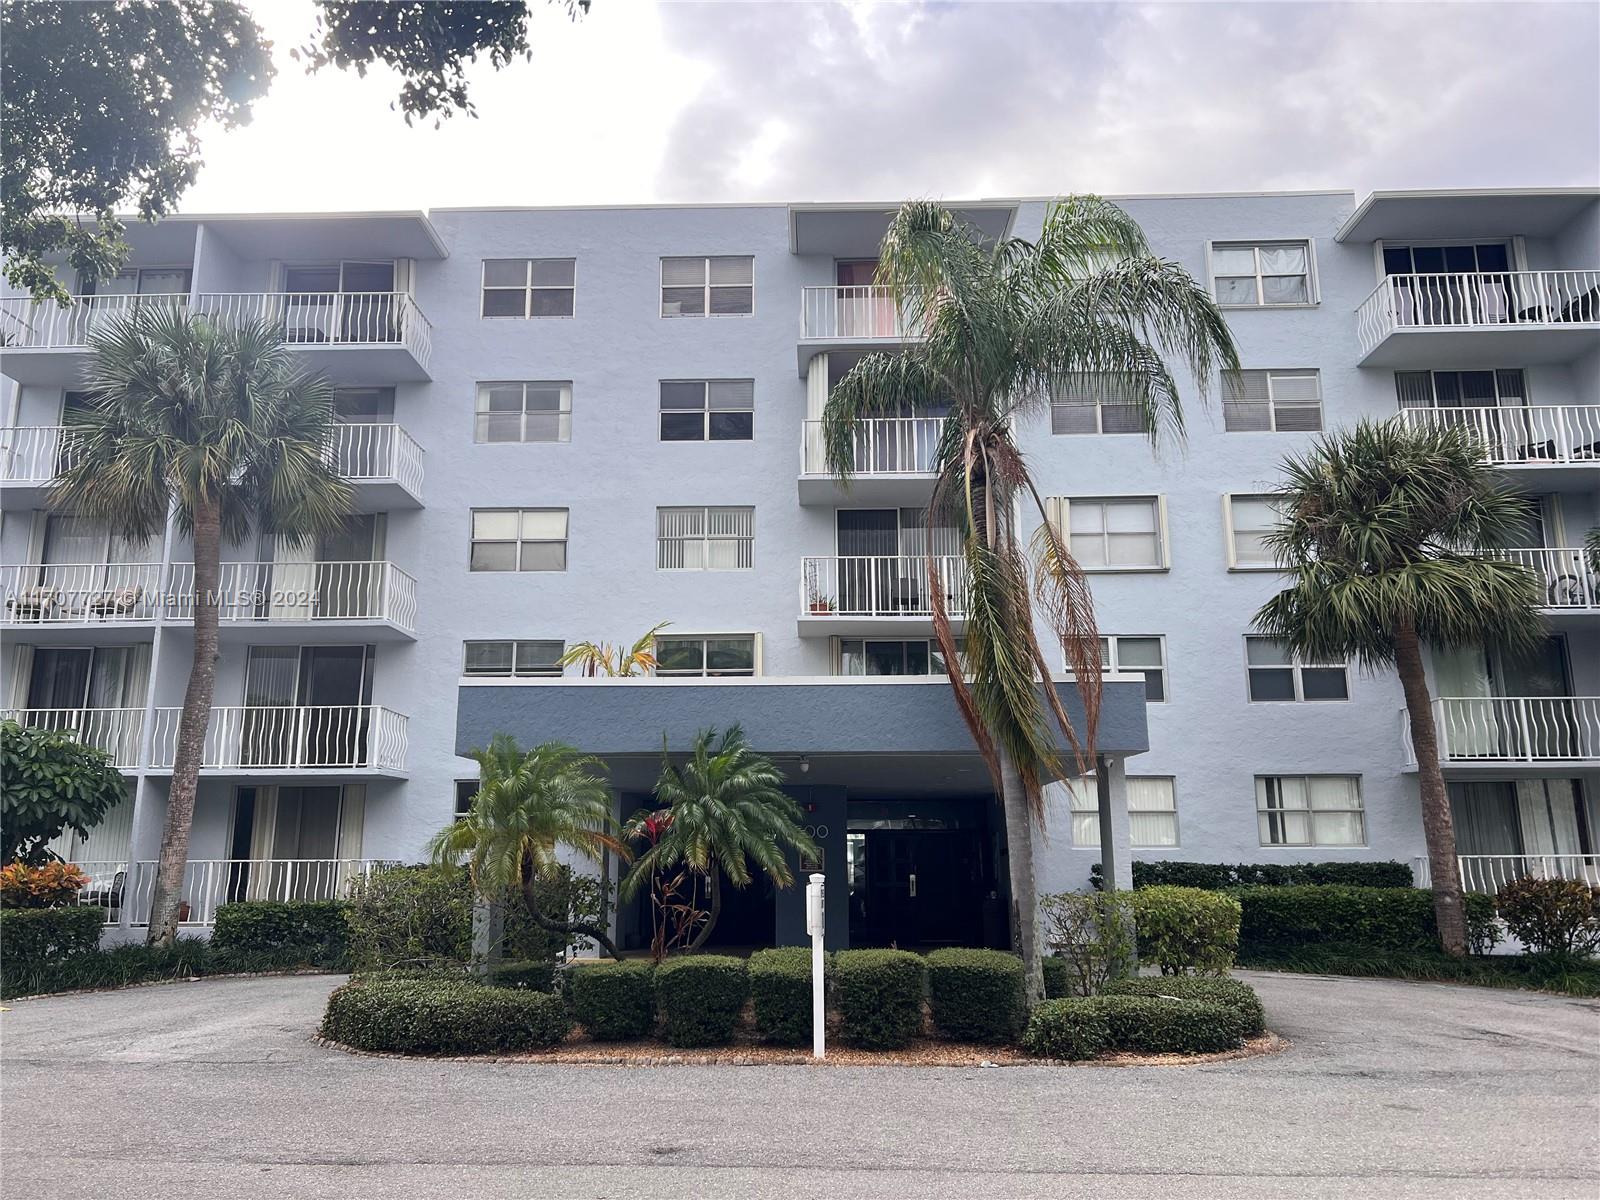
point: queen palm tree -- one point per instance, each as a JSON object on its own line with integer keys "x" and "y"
{"x": 529, "y": 805}
{"x": 216, "y": 425}
{"x": 614, "y": 662}
{"x": 1388, "y": 534}
{"x": 1083, "y": 309}
{"x": 717, "y": 812}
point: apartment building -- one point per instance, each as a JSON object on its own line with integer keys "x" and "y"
{"x": 571, "y": 424}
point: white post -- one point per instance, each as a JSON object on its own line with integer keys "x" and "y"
{"x": 816, "y": 911}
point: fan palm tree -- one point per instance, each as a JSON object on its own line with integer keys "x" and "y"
{"x": 529, "y": 804}
{"x": 613, "y": 662}
{"x": 1083, "y": 309}
{"x": 717, "y": 812}
{"x": 1388, "y": 533}
{"x": 215, "y": 424}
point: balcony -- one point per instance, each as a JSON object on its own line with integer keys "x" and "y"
{"x": 1513, "y": 730}
{"x": 124, "y": 890}
{"x": 284, "y": 600}
{"x": 1488, "y": 873}
{"x": 1479, "y": 319}
{"x": 1554, "y": 440}
{"x": 1571, "y": 586}
{"x": 335, "y": 740}
{"x": 892, "y": 461}
{"x": 850, "y": 318}
{"x": 79, "y": 598}
{"x": 354, "y": 337}
{"x": 30, "y": 457}
{"x": 883, "y": 595}
{"x": 117, "y": 731}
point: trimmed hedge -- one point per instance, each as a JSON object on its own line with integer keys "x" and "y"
{"x": 780, "y": 987}
{"x": 1072, "y": 1028}
{"x": 443, "y": 1016}
{"x": 700, "y": 998}
{"x": 527, "y": 976}
{"x": 613, "y": 1001}
{"x": 1187, "y": 930}
{"x": 1154, "y": 1025}
{"x": 1281, "y": 918}
{"x": 38, "y": 938}
{"x": 977, "y": 995}
{"x": 312, "y": 930}
{"x": 1217, "y": 876}
{"x": 1057, "y": 978}
{"x": 879, "y": 994}
{"x": 1230, "y": 993}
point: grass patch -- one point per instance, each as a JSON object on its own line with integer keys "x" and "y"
{"x": 1534, "y": 972}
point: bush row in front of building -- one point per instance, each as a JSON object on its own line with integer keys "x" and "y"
{"x": 1217, "y": 876}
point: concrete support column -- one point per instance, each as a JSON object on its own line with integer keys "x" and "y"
{"x": 488, "y": 931}
{"x": 1116, "y": 850}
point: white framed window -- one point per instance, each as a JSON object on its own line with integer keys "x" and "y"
{"x": 1278, "y": 676}
{"x": 705, "y": 539}
{"x": 709, "y": 656}
{"x": 1113, "y": 533}
{"x": 1310, "y": 810}
{"x": 1263, "y": 274}
{"x": 722, "y": 286}
{"x": 1249, "y": 518}
{"x": 708, "y": 410}
{"x": 889, "y": 656}
{"x": 524, "y": 411}
{"x": 1096, "y": 404}
{"x": 519, "y": 539}
{"x": 513, "y": 659}
{"x": 1152, "y": 811}
{"x": 1502, "y": 388}
{"x": 529, "y": 287}
{"x": 1140, "y": 654}
{"x": 1272, "y": 400}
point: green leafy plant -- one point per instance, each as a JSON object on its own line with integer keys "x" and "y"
{"x": 50, "y": 783}
{"x": 35, "y": 938}
{"x": 1230, "y": 993}
{"x": 780, "y": 991}
{"x": 1403, "y": 919}
{"x": 977, "y": 995}
{"x": 1091, "y": 937}
{"x": 613, "y": 1001}
{"x": 1534, "y": 971}
{"x": 410, "y": 916}
{"x": 313, "y": 931}
{"x": 1163, "y": 1025}
{"x": 1218, "y": 876}
{"x": 879, "y": 994}
{"x": 700, "y": 997}
{"x": 1186, "y": 930}
{"x": 535, "y": 976}
{"x": 443, "y": 1016}
{"x": 1072, "y": 1029}
{"x": 1557, "y": 917}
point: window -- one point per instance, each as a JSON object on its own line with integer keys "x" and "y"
{"x": 1096, "y": 404}
{"x": 706, "y": 656}
{"x": 524, "y": 412}
{"x": 890, "y": 656}
{"x": 1275, "y": 401}
{"x": 1261, "y": 274}
{"x": 1152, "y": 811}
{"x": 1310, "y": 810}
{"x": 1492, "y": 257}
{"x": 705, "y": 539}
{"x": 1138, "y": 656}
{"x": 528, "y": 287}
{"x": 1461, "y": 389}
{"x": 466, "y": 793}
{"x": 513, "y": 660}
{"x": 707, "y": 410}
{"x": 699, "y": 287}
{"x": 519, "y": 539}
{"x": 1277, "y": 675}
{"x": 1250, "y": 519}
{"x": 1114, "y": 533}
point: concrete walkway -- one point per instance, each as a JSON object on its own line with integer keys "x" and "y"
{"x": 214, "y": 1089}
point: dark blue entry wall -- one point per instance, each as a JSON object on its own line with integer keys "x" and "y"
{"x": 825, "y": 816}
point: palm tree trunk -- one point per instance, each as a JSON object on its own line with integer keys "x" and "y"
{"x": 584, "y": 928}
{"x": 194, "y": 720}
{"x": 1438, "y": 828}
{"x": 715, "y": 890}
{"x": 1019, "y": 857}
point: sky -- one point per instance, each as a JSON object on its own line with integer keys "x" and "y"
{"x": 690, "y": 102}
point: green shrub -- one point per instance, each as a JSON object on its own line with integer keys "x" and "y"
{"x": 410, "y": 915}
{"x": 561, "y": 894}
{"x": 1230, "y": 993}
{"x": 1535, "y": 971}
{"x": 1091, "y": 935}
{"x": 1280, "y": 918}
{"x": 879, "y": 993}
{"x": 422, "y": 1016}
{"x": 780, "y": 988}
{"x": 120, "y": 966}
{"x": 527, "y": 976}
{"x": 1059, "y": 978}
{"x": 700, "y": 997}
{"x": 1216, "y": 876}
{"x": 977, "y": 995}
{"x": 312, "y": 930}
{"x": 1071, "y": 1029}
{"x": 613, "y": 1001}
{"x": 35, "y": 938}
{"x": 1558, "y": 917}
{"x": 1186, "y": 930}
{"x": 1155, "y": 1025}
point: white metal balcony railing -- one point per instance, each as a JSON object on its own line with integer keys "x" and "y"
{"x": 363, "y": 452}
{"x": 1496, "y": 729}
{"x": 25, "y": 325}
{"x": 302, "y": 591}
{"x": 287, "y": 737}
{"x": 1522, "y": 435}
{"x": 211, "y": 882}
{"x": 879, "y": 446}
{"x": 1470, "y": 300}
{"x": 330, "y": 318}
{"x": 1570, "y": 584}
{"x": 851, "y": 314}
{"x": 96, "y": 593}
{"x": 880, "y": 585}
{"x": 33, "y": 453}
{"x": 1488, "y": 873}
{"x": 117, "y": 731}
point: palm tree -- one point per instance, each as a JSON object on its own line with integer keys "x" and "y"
{"x": 529, "y": 804}
{"x": 1084, "y": 308}
{"x": 602, "y": 658}
{"x": 723, "y": 807}
{"x": 1388, "y": 533}
{"x": 216, "y": 425}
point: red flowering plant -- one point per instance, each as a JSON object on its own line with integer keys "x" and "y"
{"x": 675, "y": 915}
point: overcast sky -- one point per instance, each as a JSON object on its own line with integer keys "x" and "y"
{"x": 727, "y": 102}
